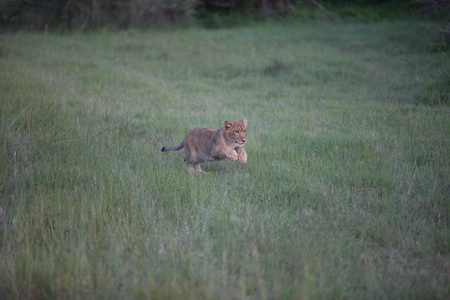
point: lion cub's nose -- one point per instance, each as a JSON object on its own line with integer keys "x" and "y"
{"x": 243, "y": 140}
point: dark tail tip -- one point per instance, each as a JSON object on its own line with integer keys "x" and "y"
{"x": 163, "y": 149}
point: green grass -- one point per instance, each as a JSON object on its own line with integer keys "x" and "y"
{"x": 345, "y": 194}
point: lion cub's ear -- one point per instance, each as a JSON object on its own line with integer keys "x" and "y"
{"x": 245, "y": 122}
{"x": 227, "y": 124}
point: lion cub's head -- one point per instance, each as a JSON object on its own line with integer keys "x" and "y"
{"x": 235, "y": 131}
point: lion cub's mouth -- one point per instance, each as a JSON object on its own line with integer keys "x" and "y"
{"x": 240, "y": 144}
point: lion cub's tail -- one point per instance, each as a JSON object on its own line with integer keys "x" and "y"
{"x": 172, "y": 148}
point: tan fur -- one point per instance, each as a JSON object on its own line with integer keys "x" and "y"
{"x": 205, "y": 144}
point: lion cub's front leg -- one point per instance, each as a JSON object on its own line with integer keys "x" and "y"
{"x": 242, "y": 154}
{"x": 223, "y": 152}
{"x": 231, "y": 154}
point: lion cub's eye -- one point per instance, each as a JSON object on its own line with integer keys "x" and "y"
{"x": 237, "y": 131}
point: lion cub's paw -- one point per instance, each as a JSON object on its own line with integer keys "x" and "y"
{"x": 233, "y": 155}
{"x": 243, "y": 157}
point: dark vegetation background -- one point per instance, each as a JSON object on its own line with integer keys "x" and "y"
{"x": 94, "y": 14}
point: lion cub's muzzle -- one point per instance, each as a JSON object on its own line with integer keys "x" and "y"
{"x": 242, "y": 143}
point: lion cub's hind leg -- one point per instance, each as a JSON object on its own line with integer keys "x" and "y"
{"x": 198, "y": 168}
{"x": 189, "y": 159}
{"x": 193, "y": 168}
{"x": 189, "y": 168}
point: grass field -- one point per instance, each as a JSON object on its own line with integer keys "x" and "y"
{"x": 345, "y": 194}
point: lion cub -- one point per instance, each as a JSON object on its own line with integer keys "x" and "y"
{"x": 205, "y": 144}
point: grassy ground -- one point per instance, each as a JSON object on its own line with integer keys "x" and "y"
{"x": 345, "y": 194}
